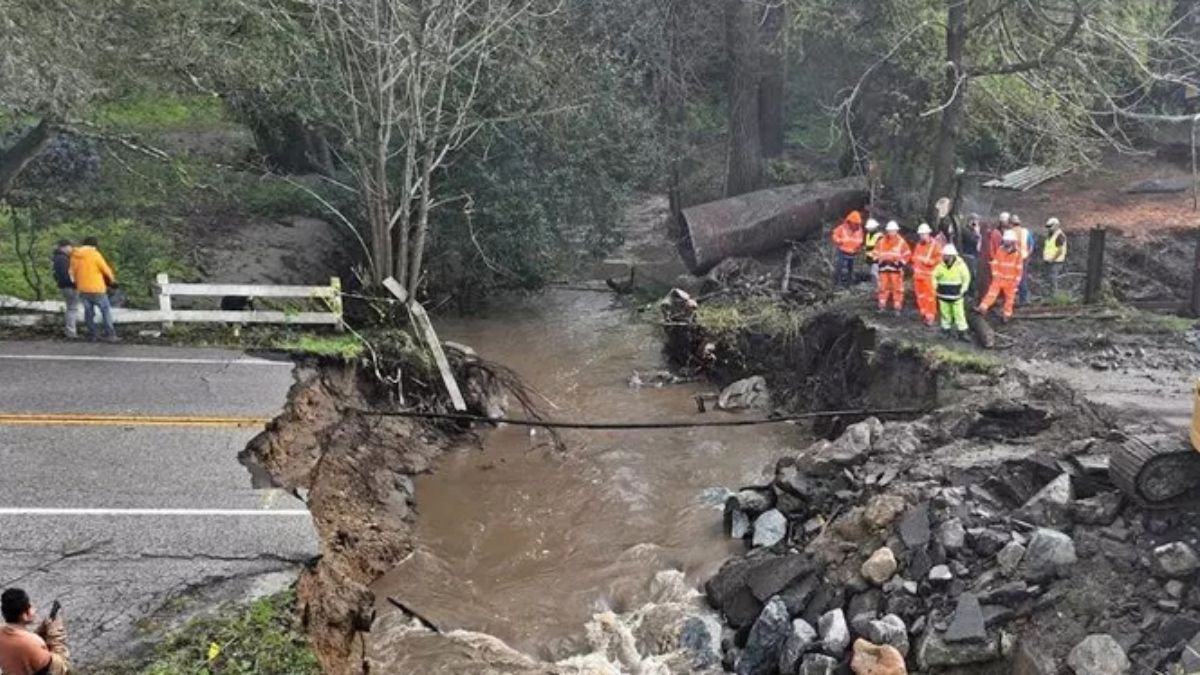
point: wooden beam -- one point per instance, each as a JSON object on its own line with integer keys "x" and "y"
{"x": 424, "y": 326}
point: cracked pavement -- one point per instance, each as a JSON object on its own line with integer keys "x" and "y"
{"x": 116, "y": 520}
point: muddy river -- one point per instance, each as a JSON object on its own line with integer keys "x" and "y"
{"x": 524, "y": 544}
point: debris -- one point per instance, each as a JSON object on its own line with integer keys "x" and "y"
{"x": 1026, "y": 178}
{"x": 890, "y": 630}
{"x": 872, "y": 659}
{"x": 951, "y": 534}
{"x": 1175, "y": 560}
{"x": 880, "y": 566}
{"x": 1099, "y": 510}
{"x": 835, "y": 635}
{"x": 934, "y": 652}
{"x": 1049, "y": 554}
{"x": 802, "y": 637}
{"x": 818, "y": 664}
{"x": 1050, "y": 506}
{"x": 737, "y": 522}
{"x": 967, "y": 624}
{"x": 1009, "y": 558}
{"x": 883, "y": 510}
{"x": 1098, "y": 655}
{"x": 914, "y": 527}
{"x": 770, "y": 528}
{"x": 755, "y": 500}
{"x": 941, "y": 574}
{"x": 748, "y": 394}
{"x": 767, "y": 635}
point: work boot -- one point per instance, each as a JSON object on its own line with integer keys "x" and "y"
{"x": 964, "y": 336}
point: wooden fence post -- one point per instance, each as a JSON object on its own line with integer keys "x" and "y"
{"x": 164, "y": 300}
{"x": 335, "y": 303}
{"x": 1095, "y": 266}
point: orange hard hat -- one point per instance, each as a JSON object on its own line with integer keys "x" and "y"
{"x": 855, "y": 217}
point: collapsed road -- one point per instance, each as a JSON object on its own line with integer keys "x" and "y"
{"x": 121, "y": 490}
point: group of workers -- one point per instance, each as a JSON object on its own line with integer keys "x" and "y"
{"x": 945, "y": 263}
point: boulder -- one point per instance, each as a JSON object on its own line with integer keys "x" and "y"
{"x": 737, "y": 521}
{"x": 1175, "y": 560}
{"x": 968, "y": 624}
{"x": 799, "y": 483}
{"x": 1098, "y": 655}
{"x": 987, "y": 542}
{"x": 739, "y": 589}
{"x": 914, "y": 527}
{"x": 817, "y": 664}
{"x": 1099, "y": 510}
{"x": 934, "y": 652}
{"x": 769, "y": 528}
{"x": 1049, "y": 554}
{"x": 883, "y": 510}
{"x": 800, "y": 640}
{"x": 1051, "y": 506}
{"x": 750, "y": 393}
{"x": 755, "y": 500}
{"x": 700, "y": 640}
{"x": 951, "y": 535}
{"x": 901, "y": 438}
{"x": 872, "y": 659}
{"x": 880, "y": 566}
{"x": 1009, "y": 558}
{"x": 767, "y": 635}
{"x": 835, "y": 635}
{"x": 852, "y": 447}
{"x": 774, "y": 577}
{"x": 890, "y": 630}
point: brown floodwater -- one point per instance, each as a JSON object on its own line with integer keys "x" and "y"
{"x": 523, "y": 543}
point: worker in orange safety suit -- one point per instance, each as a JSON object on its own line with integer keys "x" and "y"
{"x": 848, "y": 238}
{"x": 1007, "y": 267}
{"x": 925, "y": 258}
{"x": 892, "y": 253}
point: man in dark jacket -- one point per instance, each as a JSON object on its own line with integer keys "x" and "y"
{"x": 66, "y": 285}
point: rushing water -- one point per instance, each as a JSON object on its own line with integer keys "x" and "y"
{"x": 523, "y": 543}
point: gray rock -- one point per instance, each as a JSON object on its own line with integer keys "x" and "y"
{"x": 934, "y": 652}
{"x": 951, "y": 535}
{"x": 902, "y": 438}
{"x": 1175, "y": 560}
{"x": 767, "y": 635}
{"x": 853, "y": 446}
{"x": 1050, "y": 553}
{"x": 1029, "y": 660}
{"x": 700, "y": 639}
{"x": 1175, "y": 588}
{"x": 755, "y": 500}
{"x": 880, "y": 566}
{"x": 911, "y": 587}
{"x": 1050, "y": 507}
{"x": 968, "y": 624}
{"x": 739, "y": 589}
{"x": 770, "y": 528}
{"x": 835, "y": 635}
{"x": 914, "y": 526}
{"x": 987, "y": 542}
{"x": 890, "y": 630}
{"x": 1009, "y": 558}
{"x": 1098, "y": 655}
{"x": 818, "y": 664}
{"x": 1190, "y": 661}
{"x": 1011, "y": 593}
{"x": 1099, "y": 510}
{"x": 745, "y": 394}
{"x": 737, "y": 523}
{"x": 800, "y": 640}
{"x": 941, "y": 574}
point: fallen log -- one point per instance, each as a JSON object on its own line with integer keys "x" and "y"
{"x": 761, "y": 221}
{"x": 984, "y": 334}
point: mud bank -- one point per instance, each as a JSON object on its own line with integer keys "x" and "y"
{"x": 355, "y": 472}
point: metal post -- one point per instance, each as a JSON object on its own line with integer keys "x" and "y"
{"x": 1095, "y": 266}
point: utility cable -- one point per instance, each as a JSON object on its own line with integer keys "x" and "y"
{"x": 632, "y": 426}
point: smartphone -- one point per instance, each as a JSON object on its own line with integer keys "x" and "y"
{"x": 54, "y": 610}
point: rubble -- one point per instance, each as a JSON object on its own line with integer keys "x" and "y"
{"x": 802, "y": 637}
{"x": 818, "y": 664}
{"x": 835, "y": 635}
{"x": 1050, "y": 553}
{"x": 872, "y": 659}
{"x": 767, "y": 636}
{"x": 770, "y": 528}
{"x": 1098, "y": 655}
{"x": 1175, "y": 560}
{"x": 880, "y": 566}
{"x": 967, "y": 624}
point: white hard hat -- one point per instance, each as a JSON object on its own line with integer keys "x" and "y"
{"x": 1053, "y": 222}
{"x": 1016, "y": 219}
{"x": 1010, "y": 236}
{"x": 892, "y": 226}
{"x": 923, "y": 228}
{"x": 949, "y": 249}
{"x": 1004, "y": 217}
{"x": 872, "y": 224}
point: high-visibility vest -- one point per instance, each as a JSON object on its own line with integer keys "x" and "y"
{"x": 925, "y": 257}
{"x": 952, "y": 280}
{"x": 893, "y": 253}
{"x": 1052, "y": 252}
{"x": 1023, "y": 242}
{"x": 847, "y": 238}
{"x": 1006, "y": 266}
{"x": 870, "y": 242}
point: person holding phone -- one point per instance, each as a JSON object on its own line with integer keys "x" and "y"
{"x": 26, "y": 652}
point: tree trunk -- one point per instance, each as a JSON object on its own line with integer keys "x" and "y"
{"x": 946, "y": 152}
{"x": 771, "y": 92}
{"x": 25, "y": 150}
{"x": 744, "y": 167}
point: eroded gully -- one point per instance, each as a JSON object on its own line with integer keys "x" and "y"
{"x": 524, "y": 544}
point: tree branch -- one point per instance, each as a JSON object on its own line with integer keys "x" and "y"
{"x": 1041, "y": 59}
{"x": 14, "y": 161}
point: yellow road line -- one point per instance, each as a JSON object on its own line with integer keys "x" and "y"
{"x": 114, "y": 420}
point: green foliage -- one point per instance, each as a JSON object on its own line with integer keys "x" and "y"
{"x": 136, "y": 252}
{"x": 346, "y": 346}
{"x": 728, "y": 320}
{"x": 155, "y": 112}
{"x": 260, "y": 638}
{"x": 962, "y": 360}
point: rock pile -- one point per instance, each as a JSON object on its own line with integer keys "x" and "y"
{"x": 981, "y": 536}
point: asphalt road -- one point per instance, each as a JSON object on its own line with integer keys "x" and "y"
{"x": 120, "y": 489}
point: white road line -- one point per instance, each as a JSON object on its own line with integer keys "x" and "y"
{"x": 145, "y": 359}
{"x": 23, "y": 511}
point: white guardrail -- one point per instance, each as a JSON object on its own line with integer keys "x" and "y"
{"x": 331, "y": 295}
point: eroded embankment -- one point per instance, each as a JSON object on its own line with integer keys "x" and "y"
{"x": 357, "y": 472}
{"x": 981, "y": 537}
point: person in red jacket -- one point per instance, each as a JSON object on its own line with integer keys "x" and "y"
{"x": 925, "y": 258}
{"x": 1007, "y": 267}
{"x": 848, "y": 238}
{"x": 893, "y": 254}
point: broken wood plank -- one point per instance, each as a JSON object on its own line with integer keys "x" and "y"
{"x": 424, "y": 326}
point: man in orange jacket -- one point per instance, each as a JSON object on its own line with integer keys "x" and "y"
{"x": 93, "y": 277}
{"x": 925, "y": 259}
{"x": 848, "y": 238}
{"x": 1007, "y": 267}
{"x": 893, "y": 254}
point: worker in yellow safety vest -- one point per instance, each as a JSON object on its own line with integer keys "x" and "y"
{"x": 951, "y": 280}
{"x": 1054, "y": 252}
{"x": 869, "y": 243}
